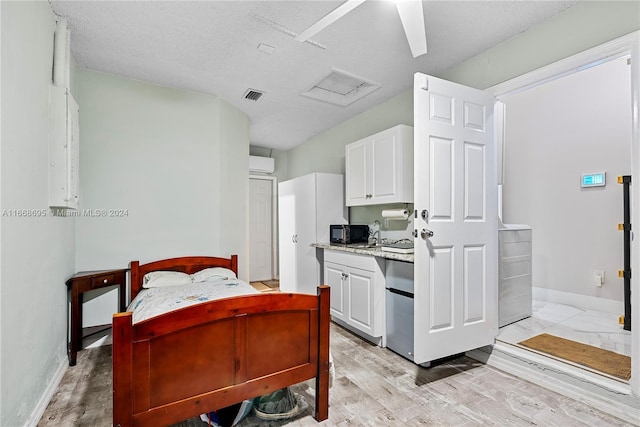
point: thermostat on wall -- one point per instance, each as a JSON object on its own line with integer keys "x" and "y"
{"x": 594, "y": 179}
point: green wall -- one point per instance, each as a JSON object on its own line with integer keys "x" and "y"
{"x": 37, "y": 253}
{"x": 325, "y": 152}
{"x": 176, "y": 161}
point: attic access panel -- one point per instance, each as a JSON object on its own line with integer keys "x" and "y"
{"x": 341, "y": 88}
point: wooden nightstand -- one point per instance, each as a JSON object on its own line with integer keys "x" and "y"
{"x": 87, "y": 281}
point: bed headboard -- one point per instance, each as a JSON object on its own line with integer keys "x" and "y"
{"x": 187, "y": 265}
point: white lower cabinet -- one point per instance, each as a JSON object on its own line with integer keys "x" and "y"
{"x": 357, "y": 293}
{"x": 515, "y": 280}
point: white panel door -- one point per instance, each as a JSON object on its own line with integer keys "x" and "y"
{"x": 260, "y": 229}
{"x": 287, "y": 236}
{"x": 455, "y": 268}
{"x": 308, "y": 267}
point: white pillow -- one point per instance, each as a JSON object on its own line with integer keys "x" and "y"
{"x": 158, "y": 279}
{"x": 213, "y": 273}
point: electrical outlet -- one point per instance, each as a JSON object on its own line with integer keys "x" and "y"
{"x": 598, "y": 277}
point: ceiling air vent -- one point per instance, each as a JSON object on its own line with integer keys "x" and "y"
{"x": 341, "y": 88}
{"x": 252, "y": 94}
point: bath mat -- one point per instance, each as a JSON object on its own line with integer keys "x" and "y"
{"x": 605, "y": 361}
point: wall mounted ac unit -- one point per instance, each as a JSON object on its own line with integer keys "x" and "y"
{"x": 259, "y": 164}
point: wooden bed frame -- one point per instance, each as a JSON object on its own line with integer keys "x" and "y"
{"x": 208, "y": 356}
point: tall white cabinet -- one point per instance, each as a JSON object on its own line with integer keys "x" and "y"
{"x": 306, "y": 207}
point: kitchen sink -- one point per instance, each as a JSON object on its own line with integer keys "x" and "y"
{"x": 366, "y": 246}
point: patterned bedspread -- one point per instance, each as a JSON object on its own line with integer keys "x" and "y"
{"x": 155, "y": 301}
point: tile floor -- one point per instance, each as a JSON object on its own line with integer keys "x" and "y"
{"x": 590, "y": 327}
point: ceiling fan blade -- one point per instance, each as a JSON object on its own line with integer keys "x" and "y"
{"x": 329, "y": 19}
{"x": 412, "y": 18}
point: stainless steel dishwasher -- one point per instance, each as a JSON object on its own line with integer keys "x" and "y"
{"x": 399, "y": 307}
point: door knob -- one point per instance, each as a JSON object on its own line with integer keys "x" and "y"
{"x": 425, "y": 233}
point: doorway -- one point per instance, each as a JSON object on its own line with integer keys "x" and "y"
{"x": 574, "y": 228}
{"x": 262, "y": 218}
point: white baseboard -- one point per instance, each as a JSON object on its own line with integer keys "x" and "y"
{"x": 578, "y": 300}
{"x": 48, "y": 393}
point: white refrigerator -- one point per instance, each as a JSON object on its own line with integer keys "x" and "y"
{"x": 307, "y": 205}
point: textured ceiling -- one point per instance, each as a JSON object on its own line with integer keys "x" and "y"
{"x": 212, "y": 47}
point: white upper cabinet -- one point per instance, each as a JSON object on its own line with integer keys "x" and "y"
{"x": 379, "y": 168}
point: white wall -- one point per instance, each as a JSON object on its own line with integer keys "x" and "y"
{"x": 37, "y": 254}
{"x": 325, "y": 152}
{"x": 176, "y": 162}
{"x": 554, "y": 133}
{"x": 233, "y": 200}
{"x": 584, "y": 25}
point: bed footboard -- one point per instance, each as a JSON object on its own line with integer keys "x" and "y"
{"x": 209, "y": 356}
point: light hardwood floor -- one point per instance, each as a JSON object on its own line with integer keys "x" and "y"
{"x": 372, "y": 387}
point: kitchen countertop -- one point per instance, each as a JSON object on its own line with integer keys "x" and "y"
{"x": 376, "y": 251}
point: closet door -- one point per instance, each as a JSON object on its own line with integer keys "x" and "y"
{"x": 306, "y": 233}
{"x": 260, "y": 229}
{"x": 287, "y": 235}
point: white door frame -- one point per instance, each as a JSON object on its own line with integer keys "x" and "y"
{"x": 274, "y": 220}
{"x": 626, "y": 45}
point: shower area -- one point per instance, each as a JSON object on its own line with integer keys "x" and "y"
{"x": 566, "y": 142}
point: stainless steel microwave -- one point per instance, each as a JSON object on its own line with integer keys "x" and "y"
{"x": 349, "y": 233}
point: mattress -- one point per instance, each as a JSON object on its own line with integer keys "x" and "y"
{"x": 156, "y": 301}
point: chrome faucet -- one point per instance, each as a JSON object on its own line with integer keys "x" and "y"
{"x": 373, "y": 238}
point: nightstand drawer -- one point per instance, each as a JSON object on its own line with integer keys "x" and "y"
{"x": 104, "y": 280}
{"x": 87, "y": 281}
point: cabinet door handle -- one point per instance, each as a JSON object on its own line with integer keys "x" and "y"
{"x": 105, "y": 281}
